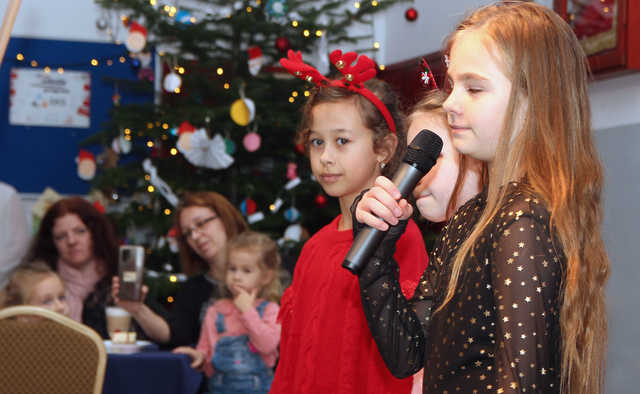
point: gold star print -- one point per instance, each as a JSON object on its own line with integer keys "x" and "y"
{"x": 521, "y": 245}
{"x": 513, "y": 385}
{"x": 478, "y": 363}
{"x": 507, "y": 232}
{"x": 539, "y": 289}
{"x": 543, "y": 371}
{"x": 507, "y": 335}
{"x": 505, "y": 319}
{"x": 482, "y": 377}
{"x": 516, "y": 254}
{"x": 520, "y": 268}
{"x": 507, "y": 282}
{"x": 515, "y": 306}
{"x": 519, "y": 213}
{"x": 523, "y": 336}
{"x": 500, "y": 390}
{"x": 509, "y": 260}
{"x": 523, "y": 352}
{"x": 487, "y": 313}
{"x": 545, "y": 263}
{"x": 473, "y": 320}
{"x": 527, "y": 299}
{"x": 470, "y": 340}
{"x": 385, "y": 285}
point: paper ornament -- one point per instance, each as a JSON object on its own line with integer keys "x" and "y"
{"x": 256, "y": 60}
{"x": 185, "y": 131}
{"x": 171, "y": 82}
{"x": 242, "y": 111}
{"x": 137, "y": 38}
{"x": 321, "y": 200}
{"x": 248, "y": 206}
{"x": 86, "y": 165}
{"x": 251, "y": 141}
{"x": 230, "y": 146}
{"x": 282, "y": 44}
{"x": 121, "y": 145}
{"x": 207, "y": 152}
{"x": 292, "y": 172}
{"x": 159, "y": 183}
{"x": 184, "y": 17}
{"x": 411, "y": 14}
{"x": 292, "y": 214}
{"x": 276, "y": 8}
{"x": 293, "y": 233}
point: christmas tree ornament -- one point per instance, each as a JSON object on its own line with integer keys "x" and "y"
{"x": 185, "y": 131}
{"x": 276, "y": 205}
{"x": 86, "y": 162}
{"x": 252, "y": 141}
{"x": 238, "y": 5}
{"x": 137, "y": 38}
{"x": 159, "y": 183}
{"x": 411, "y": 14}
{"x": 242, "y": 111}
{"x": 207, "y": 152}
{"x": 184, "y": 17}
{"x": 172, "y": 81}
{"x": 276, "y": 8}
{"x": 172, "y": 240}
{"x": 121, "y": 144}
{"x": 102, "y": 23}
{"x": 292, "y": 214}
{"x": 135, "y": 63}
{"x": 116, "y": 98}
{"x": 256, "y": 60}
{"x": 292, "y": 172}
{"x": 300, "y": 148}
{"x": 282, "y": 44}
{"x": 248, "y": 207}
{"x": 144, "y": 57}
{"x": 230, "y": 146}
{"x": 320, "y": 200}
{"x": 293, "y": 233}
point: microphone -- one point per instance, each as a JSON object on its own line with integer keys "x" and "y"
{"x": 421, "y": 156}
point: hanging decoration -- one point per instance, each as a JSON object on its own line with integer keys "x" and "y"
{"x": 292, "y": 171}
{"x": 121, "y": 144}
{"x": 242, "y": 110}
{"x": 207, "y": 152}
{"x": 292, "y": 214}
{"x": 172, "y": 82}
{"x": 321, "y": 200}
{"x": 276, "y": 8}
{"x": 252, "y": 141}
{"x": 282, "y": 44}
{"x": 230, "y": 146}
{"x": 411, "y": 14}
{"x": 248, "y": 207}
{"x": 137, "y": 38}
{"x": 184, "y": 17}
{"x": 86, "y": 162}
{"x": 159, "y": 183}
{"x": 185, "y": 131}
{"x": 256, "y": 60}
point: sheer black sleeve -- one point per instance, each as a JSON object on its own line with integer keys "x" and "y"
{"x": 526, "y": 275}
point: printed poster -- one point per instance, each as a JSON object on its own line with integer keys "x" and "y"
{"x": 39, "y": 98}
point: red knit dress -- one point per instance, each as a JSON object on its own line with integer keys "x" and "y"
{"x": 326, "y": 345}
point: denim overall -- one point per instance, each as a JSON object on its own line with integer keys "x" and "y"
{"x": 238, "y": 369}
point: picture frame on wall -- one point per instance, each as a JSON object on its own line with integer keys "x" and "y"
{"x": 609, "y": 31}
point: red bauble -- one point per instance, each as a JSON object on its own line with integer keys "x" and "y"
{"x": 283, "y": 44}
{"x": 321, "y": 200}
{"x": 411, "y": 14}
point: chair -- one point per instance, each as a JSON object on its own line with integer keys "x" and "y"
{"x": 45, "y": 352}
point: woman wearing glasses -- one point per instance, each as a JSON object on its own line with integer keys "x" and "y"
{"x": 206, "y": 221}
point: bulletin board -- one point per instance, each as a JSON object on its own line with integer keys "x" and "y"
{"x": 35, "y": 155}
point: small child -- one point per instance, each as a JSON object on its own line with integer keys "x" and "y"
{"x": 238, "y": 345}
{"x": 35, "y": 284}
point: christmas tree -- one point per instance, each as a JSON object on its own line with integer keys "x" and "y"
{"x": 224, "y": 118}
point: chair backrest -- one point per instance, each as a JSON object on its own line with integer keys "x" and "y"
{"x": 45, "y": 352}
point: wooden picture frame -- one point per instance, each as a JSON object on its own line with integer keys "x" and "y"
{"x": 609, "y": 31}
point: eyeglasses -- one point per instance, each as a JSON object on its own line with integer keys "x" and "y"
{"x": 198, "y": 227}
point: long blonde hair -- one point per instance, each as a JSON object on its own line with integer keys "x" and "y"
{"x": 555, "y": 152}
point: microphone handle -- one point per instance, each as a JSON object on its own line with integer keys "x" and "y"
{"x": 368, "y": 240}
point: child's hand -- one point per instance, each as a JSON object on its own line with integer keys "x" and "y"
{"x": 380, "y": 207}
{"x": 130, "y": 306}
{"x": 244, "y": 300}
{"x": 197, "y": 358}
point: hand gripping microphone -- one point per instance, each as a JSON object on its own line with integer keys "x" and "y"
{"x": 421, "y": 155}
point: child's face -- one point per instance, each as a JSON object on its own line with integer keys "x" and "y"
{"x": 72, "y": 240}
{"x": 479, "y": 98}
{"x": 434, "y": 190}
{"x": 49, "y": 294}
{"x": 341, "y": 150}
{"x": 244, "y": 271}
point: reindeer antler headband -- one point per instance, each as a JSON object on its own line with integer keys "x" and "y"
{"x": 354, "y": 76}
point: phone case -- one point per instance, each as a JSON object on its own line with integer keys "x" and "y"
{"x": 130, "y": 271}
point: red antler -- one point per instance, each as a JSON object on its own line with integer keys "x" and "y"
{"x": 297, "y": 67}
{"x": 362, "y": 71}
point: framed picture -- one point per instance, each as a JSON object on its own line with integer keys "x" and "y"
{"x": 609, "y": 31}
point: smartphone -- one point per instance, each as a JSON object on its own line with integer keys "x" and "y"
{"x": 130, "y": 271}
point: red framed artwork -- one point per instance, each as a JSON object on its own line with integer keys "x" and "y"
{"x": 609, "y": 31}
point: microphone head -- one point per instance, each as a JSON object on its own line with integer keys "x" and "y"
{"x": 424, "y": 150}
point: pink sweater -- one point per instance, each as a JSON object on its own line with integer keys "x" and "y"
{"x": 264, "y": 334}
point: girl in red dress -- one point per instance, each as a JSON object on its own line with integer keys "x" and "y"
{"x": 353, "y": 131}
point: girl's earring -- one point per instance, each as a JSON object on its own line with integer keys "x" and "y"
{"x": 382, "y": 165}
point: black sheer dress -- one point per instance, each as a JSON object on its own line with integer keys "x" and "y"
{"x": 500, "y": 332}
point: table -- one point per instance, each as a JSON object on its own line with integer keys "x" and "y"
{"x": 150, "y": 372}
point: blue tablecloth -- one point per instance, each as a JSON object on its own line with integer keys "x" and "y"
{"x": 150, "y": 372}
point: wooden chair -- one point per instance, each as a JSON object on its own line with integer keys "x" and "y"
{"x": 44, "y": 352}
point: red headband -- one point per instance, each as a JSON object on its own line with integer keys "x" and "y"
{"x": 427, "y": 76}
{"x": 354, "y": 76}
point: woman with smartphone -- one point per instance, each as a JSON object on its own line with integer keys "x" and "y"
{"x": 205, "y": 221}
